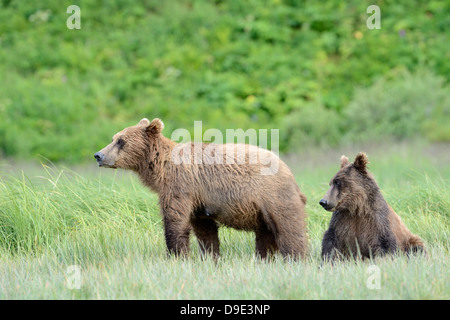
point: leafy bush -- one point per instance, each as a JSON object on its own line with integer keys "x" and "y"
{"x": 232, "y": 64}
{"x": 312, "y": 125}
{"x": 404, "y": 106}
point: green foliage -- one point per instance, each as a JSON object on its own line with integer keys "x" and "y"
{"x": 405, "y": 106}
{"x": 231, "y": 64}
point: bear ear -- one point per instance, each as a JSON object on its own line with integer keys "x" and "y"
{"x": 361, "y": 161}
{"x": 344, "y": 161}
{"x": 155, "y": 127}
{"x": 144, "y": 122}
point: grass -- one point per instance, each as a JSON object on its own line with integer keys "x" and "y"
{"x": 108, "y": 225}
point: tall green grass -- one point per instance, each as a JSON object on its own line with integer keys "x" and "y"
{"x": 109, "y": 226}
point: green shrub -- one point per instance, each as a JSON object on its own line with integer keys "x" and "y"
{"x": 231, "y": 64}
{"x": 311, "y": 126}
{"x": 402, "y": 106}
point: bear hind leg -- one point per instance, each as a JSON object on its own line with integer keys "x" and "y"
{"x": 291, "y": 245}
{"x": 415, "y": 245}
{"x": 289, "y": 231}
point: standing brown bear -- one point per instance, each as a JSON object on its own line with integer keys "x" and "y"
{"x": 201, "y": 186}
{"x": 362, "y": 224}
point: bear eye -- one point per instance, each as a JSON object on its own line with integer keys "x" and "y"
{"x": 337, "y": 183}
{"x": 120, "y": 143}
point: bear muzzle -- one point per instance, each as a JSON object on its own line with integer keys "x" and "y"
{"x": 326, "y": 205}
{"x": 100, "y": 157}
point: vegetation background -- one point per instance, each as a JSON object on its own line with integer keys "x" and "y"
{"x": 309, "y": 68}
{"x": 312, "y": 68}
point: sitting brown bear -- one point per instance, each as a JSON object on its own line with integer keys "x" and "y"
{"x": 362, "y": 224}
{"x": 202, "y": 186}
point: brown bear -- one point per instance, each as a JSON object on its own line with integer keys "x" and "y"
{"x": 202, "y": 186}
{"x": 362, "y": 224}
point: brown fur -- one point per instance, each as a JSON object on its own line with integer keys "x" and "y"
{"x": 203, "y": 196}
{"x": 363, "y": 224}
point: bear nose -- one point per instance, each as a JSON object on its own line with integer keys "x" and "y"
{"x": 323, "y": 203}
{"x": 99, "y": 156}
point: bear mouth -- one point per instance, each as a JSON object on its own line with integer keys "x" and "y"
{"x": 104, "y": 165}
{"x": 331, "y": 208}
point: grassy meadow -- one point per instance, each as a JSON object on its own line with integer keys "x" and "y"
{"x": 108, "y": 226}
{"x": 312, "y": 69}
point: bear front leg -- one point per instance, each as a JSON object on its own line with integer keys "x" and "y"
{"x": 386, "y": 244}
{"x": 176, "y": 232}
{"x": 265, "y": 242}
{"x": 329, "y": 250}
{"x": 207, "y": 234}
{"x": 176, "y": 209}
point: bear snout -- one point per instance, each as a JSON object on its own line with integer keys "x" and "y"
{"x": 323, "y": 203}
{"x": 99, "y": 156}
{"x": 326, "y": 205}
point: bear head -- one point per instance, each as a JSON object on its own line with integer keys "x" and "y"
{"x": 131, "y": 146}
{"x": 351, "y": 187}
